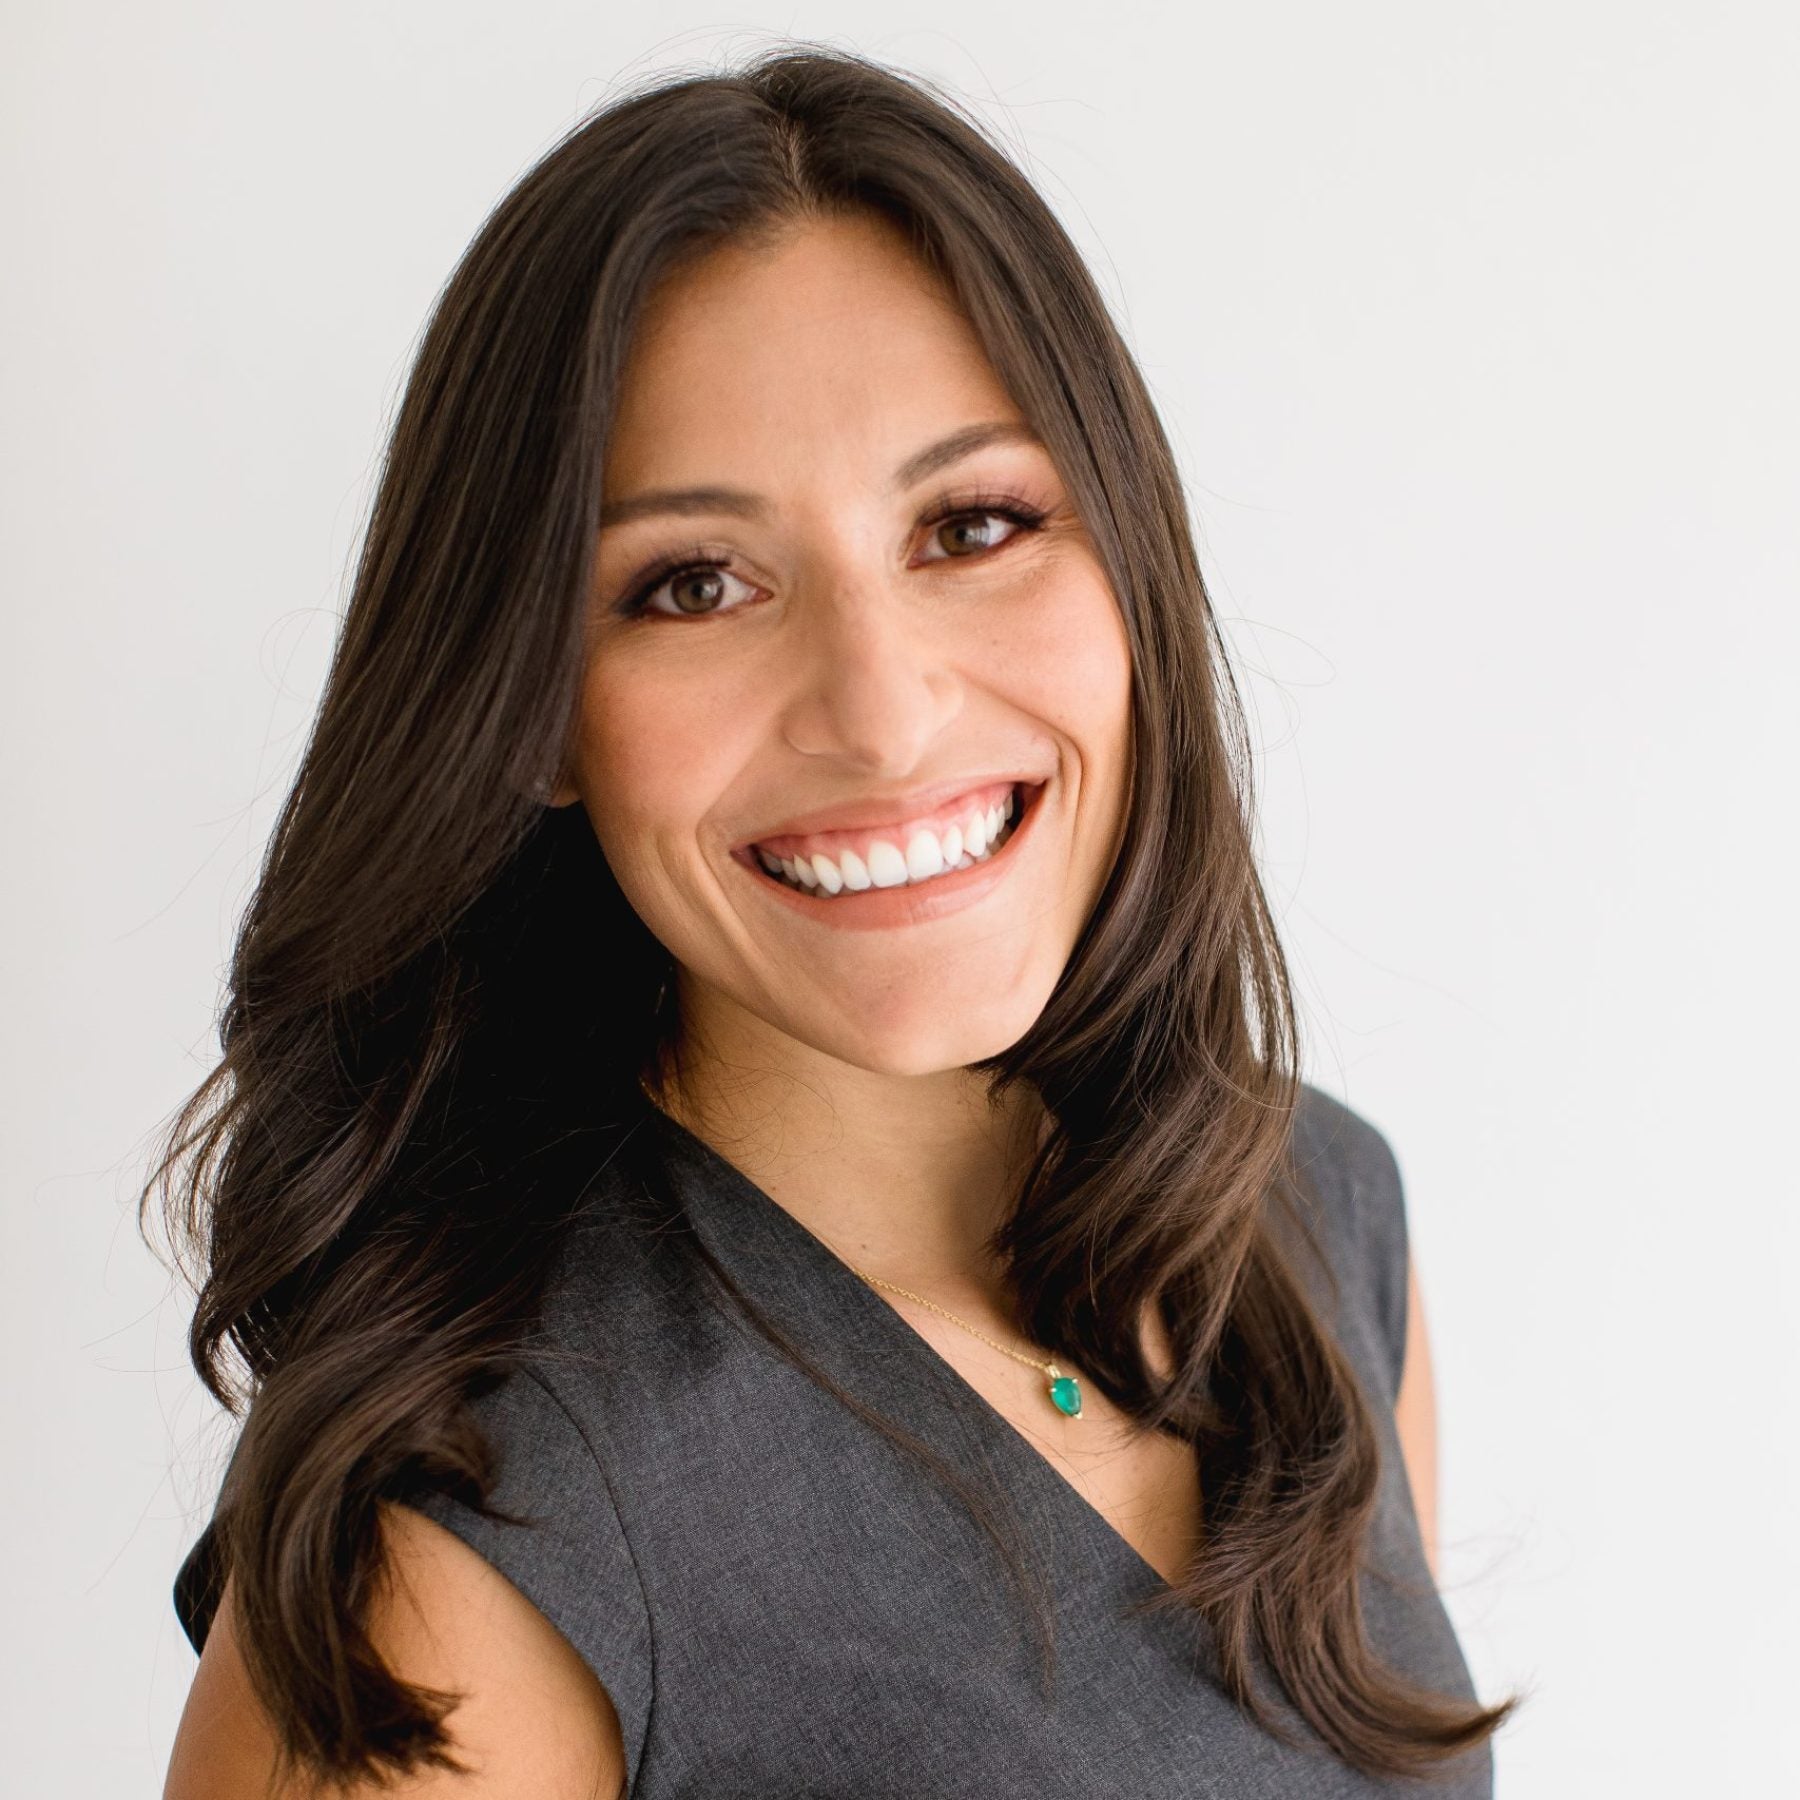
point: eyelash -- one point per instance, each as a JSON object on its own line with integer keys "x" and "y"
{"x": 977, "y": 506}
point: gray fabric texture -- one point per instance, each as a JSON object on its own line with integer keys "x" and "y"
{"x": 781, "y": 1602}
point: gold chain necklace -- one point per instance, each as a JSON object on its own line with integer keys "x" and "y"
{"x": 1065, "y": 1390}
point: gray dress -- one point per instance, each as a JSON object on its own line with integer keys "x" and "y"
{"x": 781, "y": 1602}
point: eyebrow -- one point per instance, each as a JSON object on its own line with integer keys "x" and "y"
{"x": 745, "y": 505}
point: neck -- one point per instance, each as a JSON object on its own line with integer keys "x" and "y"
{"x": 906, "y": 1177}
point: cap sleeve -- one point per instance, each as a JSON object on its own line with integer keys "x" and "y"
{"x": 1355, "y": 1167}
{"x": 571, "y": 1560}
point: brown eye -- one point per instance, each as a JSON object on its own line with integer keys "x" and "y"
{"x": 970, "y": 532}
{"x": 975, "y": 529}
{"x": 697, "y": 590}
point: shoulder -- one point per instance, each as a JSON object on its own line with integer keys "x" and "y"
{"x": 600, "y": 1378}
{"x": 551, "y": 1531}
{"x": 1340, "y": 1145}
{"x": 543, "y": 1545}
{"x": 1350, "y": 1169}
{"x": 529, "y": 1715}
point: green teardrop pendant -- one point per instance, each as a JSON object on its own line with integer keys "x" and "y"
{"x": 1065, "y": 1394}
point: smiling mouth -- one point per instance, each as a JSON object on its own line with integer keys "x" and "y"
{"x": 921, "y": 858}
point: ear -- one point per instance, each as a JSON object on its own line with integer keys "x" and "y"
{"x": 561, "y": 791}
{"x": 529, "y": 782}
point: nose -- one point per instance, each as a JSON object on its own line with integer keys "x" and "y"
{"x": 873, "y": 686}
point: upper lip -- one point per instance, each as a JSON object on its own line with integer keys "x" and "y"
{"x": 875, "y": 811}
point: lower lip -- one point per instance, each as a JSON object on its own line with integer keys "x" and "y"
{"x": 880, "y": 909}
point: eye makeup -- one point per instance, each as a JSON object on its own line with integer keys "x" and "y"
{"x": 699, "y": 558}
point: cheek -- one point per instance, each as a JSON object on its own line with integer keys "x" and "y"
{"x": 654, "y": 756}
{"x": 1067, "y": 661}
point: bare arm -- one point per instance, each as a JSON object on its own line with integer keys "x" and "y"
{"x": 535, "y": 1723}
{"x": 1415, "y": 1417}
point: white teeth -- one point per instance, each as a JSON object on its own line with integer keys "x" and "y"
{"x": 887, "y": 867}
{"x": 926, "y": 856}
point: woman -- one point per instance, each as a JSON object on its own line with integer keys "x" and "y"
{"x": 757, "y": 1178}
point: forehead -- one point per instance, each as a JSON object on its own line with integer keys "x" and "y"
{"x": 833, "y": 342}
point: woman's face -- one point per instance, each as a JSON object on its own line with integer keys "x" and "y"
{"x": 880, "y": 649}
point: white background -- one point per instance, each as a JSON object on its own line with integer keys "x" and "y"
{"x": 1474, "y": 327}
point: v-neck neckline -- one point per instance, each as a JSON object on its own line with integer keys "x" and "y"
{"x": 861, "y": 1308}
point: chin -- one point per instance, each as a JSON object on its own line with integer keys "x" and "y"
{"x": 931, "y": 1043}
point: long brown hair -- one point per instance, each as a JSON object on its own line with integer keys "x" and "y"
{"x": 438, "y": 995}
